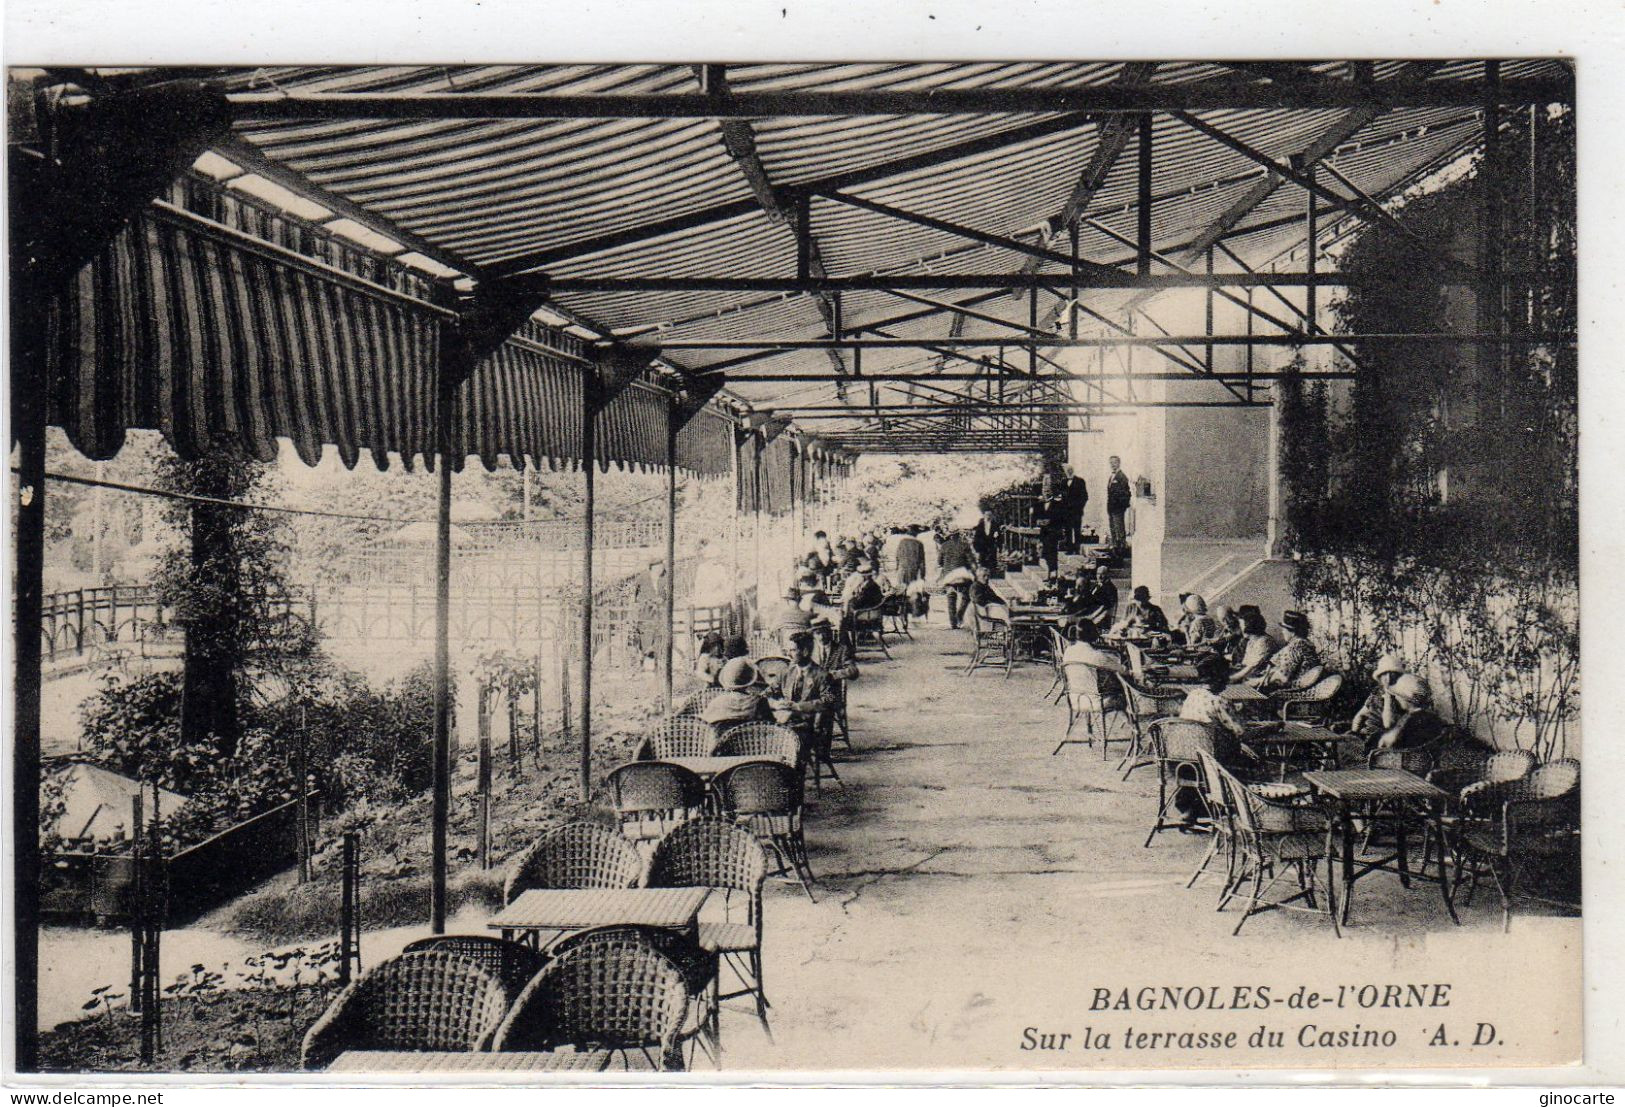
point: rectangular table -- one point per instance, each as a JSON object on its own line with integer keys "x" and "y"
{"x": 563, "y": 910}
{"x": 1284, "y": 742}
{"x": 400, "y": 1060}
{"x": 1232, "y": 693}
{"x": 1349, "y": 789}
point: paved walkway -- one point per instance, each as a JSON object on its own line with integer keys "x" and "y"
{"x": 972, "y": 885}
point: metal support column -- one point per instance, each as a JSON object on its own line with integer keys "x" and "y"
{"x": 1311, "y": 252}
{"x": 440, "y": 810}
{"x": 671, "y": 550}
{"x": 589, "y": 467}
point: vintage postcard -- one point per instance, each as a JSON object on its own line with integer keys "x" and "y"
{"x": 563, "y": 568}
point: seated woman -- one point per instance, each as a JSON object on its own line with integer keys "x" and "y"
{"x": 1142, "y": 615}
{"x": 1381, "y": 710}
{"x": 742, "y": 699}
{"x": 1230, "y": 629}
{"x": 710, "y": 661}
{"x": 1256, "y": 646}
{"x": 862, "y": 590}
{"x": 1207, "y": 705}
{"x": 1197, "y": 626}
{"x": 1085, "y": 650}
{"x": 1296, "y": 654}
{"x": 1417, "y": 725}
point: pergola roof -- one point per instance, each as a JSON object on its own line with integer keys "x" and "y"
{"x": 681, "y": 206}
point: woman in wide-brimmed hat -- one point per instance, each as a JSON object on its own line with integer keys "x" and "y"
{"x": 1296, "y": 654}
{"x": 1381, "y": 709}
{"x": 741, "y": 699}
{"x": 1418, "y": 725}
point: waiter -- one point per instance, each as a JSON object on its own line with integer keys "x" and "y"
{"x": 1074, "y": 498}
{"x": 1117, "y": 501}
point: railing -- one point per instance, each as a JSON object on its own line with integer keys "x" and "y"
{"x": 88, "y": 621}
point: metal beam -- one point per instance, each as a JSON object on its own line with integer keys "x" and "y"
{"x": 1195, "y": 96}
{"x": 1092, "y": 341}
{"x": 720, "y": 213}
{"x": 952, "y": 375}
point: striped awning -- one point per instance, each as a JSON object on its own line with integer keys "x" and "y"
{"x": 240, "y": 325}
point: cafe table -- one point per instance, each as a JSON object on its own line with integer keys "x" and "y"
{"x": 1353, "y": 790}
{"x": 561, "y": 911}
{"x": 415, "y": 1061}
{"x": 1293, "y": 744}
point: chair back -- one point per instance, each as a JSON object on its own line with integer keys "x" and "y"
{"x": 612, "y": 992}
{"x": 575, "y": 855}
{"x": 1506, "y": 766}
{"x": 682, "y": 949}
{"x": 709, "y": 853}
{"x": 1238, "y": 801}
{"x": 1552, "y": 780}
{"x": 1181, "y": 740}
{"x": 760, "y": 788}
{"x": 1136, "y": 659}
{"x": 679, "y": 736}
{"x": 1307, "y": 679}
{"x": 1149, "y": 703}
{"x": 511, "y": 963}
{"x": 759, "y": 739}
{"x": 427, "y": 1000}
{"x": 998, "y": 615}
{"x": 653, "y": 788}
{"x": 695, "y": 702}
{"x": 772, "y": 668}
{"x": 1324, "y": 688}
{"x": 1213, "y": 785}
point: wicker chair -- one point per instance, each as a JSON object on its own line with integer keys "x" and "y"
{"x": 1143, "y": 704}
{"x": 1090, "y": 692}
{"x": 1464, "y": 765}
{"x": 869, "y": 629}
{"x": 1221, "y": 824}
{"x": 695, "y": 702}
{"x": 1272, "y": 839}
{"x": 651, "y": 797}
{"x": 679, "y": 736}
{"x": 1176, "y": 747}
{"x": 1533, "y": 821}
{"x": 765, "y": 797}
{"x": 575, "y": 855}
{"x": 713, "y": 853}
{"x": 607, "y": 994}
{"x": 1311, "y": 704}
{"x": 511, "y": 963}
{"x": 424, "y": 1001}
{"x": 766, "y": 740}
{"x": 895, "y": 611}
{"x": 698, "y": 966}
{"x": 991, "y": 638}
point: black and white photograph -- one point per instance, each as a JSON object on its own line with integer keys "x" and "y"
{"x": 569, "y": 569}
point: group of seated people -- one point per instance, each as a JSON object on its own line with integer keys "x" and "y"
{"x": 852, "y": 572}
{"x": 821, "y": 656}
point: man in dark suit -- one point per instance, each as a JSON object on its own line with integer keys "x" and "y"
{"x": 910, "y": 559}
{"x": 1117, "y": 501}
{"x": 1074, "y": 498}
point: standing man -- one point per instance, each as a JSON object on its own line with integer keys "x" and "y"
{"x": 957, "y": 561}
{"x": 1117, "y": 501}
{"x": 909, "y": 558}
{"x": 1074, "y": 498}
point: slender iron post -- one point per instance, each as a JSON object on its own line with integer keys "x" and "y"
{"x": 671, "y": 550}
{"x": 1311, "y": 239}
{"x": 589, "y": 454}
{"x": 441, "y": 807}
{"x": 28, "y": 426}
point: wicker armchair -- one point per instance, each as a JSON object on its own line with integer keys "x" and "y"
{"x": 698, "y": 966}
{"x": 575, "y": 855}
{"x": 895, "y": 611}
{"x": 765, "y": 797}
{"x": 1310, "y": 704}
{"x": 766, "y": 740}
{"x": 679, "y": 736}
{"x": 1143, "y": 704}
{"x": 618, "y": 995}
{"x": 1090, "y": 692}
{"x": 1272, "y": 840}
{"x": 1221, "y": 824}
{"x": 869, "y": 629}
{"x": 991, "y": 637}
{"x": 1535, "y": 822}
{"x": 651, "y": 797}
{"x": 511, "y": 963}
{"x": 695, "y": 702}
{"x": 425, "y": 1001}
{"x": 713, "y": 853}
{"x": 1176, "y": 747}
